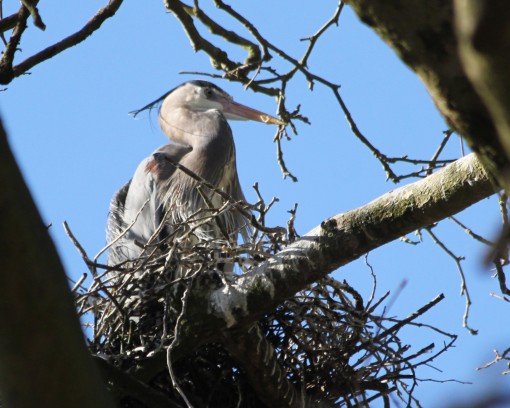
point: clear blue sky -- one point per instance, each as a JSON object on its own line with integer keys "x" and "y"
{"x": 70, "y": 130}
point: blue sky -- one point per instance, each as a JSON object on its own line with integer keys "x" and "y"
{"x": 76, "y": 144}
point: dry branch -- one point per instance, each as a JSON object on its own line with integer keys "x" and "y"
{"x": 9, "y": 71}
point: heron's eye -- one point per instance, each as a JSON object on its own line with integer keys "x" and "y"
{"x": 208, "y": 92}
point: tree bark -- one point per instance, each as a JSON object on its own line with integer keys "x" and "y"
{"x": 43, "y": 358}
{"x": 483, "y": 29}
{"x": 422, "y": 34}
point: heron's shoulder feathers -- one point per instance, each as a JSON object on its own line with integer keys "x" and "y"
{"x": 160, "y": 163}
{"x": 115, "y": 221}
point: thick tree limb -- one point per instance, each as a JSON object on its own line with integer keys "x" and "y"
{"x": 483, "y": 29}
{"x": 43, "y": 358}
{"x": 336, "y": 242}
{"x": 345, "y": 237}
{"x": 422, "y": 34}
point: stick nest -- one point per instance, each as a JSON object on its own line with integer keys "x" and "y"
{"x": 332, "y": 345}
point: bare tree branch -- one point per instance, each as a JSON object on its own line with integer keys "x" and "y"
{"x": 8, "y": 23}
{"x": 258, "y": 59}
{"x": 6, "y": 62}
{"x": 336, "y": 242}
{"x": 464, "y": 290}
{"x": 8, "y": 72}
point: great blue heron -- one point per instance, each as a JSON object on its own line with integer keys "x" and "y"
{"x": 159, "y": 196}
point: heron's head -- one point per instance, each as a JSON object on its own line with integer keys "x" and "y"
{"x": 202, "y": 96}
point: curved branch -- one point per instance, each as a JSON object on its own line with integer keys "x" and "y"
{"x": 254, "y": 55}
{"x": 334, "y": 243}
{"x": 182, "y": 12}
{"x": 7, "y": 75}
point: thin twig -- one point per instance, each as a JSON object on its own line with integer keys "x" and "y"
{"x": 176, "y": 339}
{"x": 80, "y": 249}
{"x": 499, "y": 357}
{"x": 472, "y": 234}
{"x": 122, "y": 233}
{"x": 500, "y": 273}
{"x": 433, "y": 161}
{"x": 464, "y": 289}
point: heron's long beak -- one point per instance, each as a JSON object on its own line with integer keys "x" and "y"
{"x": 236, "y": 111}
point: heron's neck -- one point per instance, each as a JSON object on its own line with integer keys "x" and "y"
{"x": 195, "y": 129}
{"x": 212, "y": 157}
{"x": 209, "y": 135}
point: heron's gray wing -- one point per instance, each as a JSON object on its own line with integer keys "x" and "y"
{"x": 136, "y": 210}
{"x": 115, "y": 223}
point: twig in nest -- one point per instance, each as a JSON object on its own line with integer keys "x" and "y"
{"x": 80, "y": 249}
{"x": 175, "y": 341}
